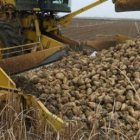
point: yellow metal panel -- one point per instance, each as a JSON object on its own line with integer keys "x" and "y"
{"x": 38, "y": 33}
{"x": 122, "y": 38}
{"x": 28, "y": 21}
{"x": 36, "y": 9}
{"x": 45, "y": 115}
{"x": 57, "y": 123}
{"x": 47, "y": 42}
{"x": 9, "y": 2}
{"x": 5, "y": 80}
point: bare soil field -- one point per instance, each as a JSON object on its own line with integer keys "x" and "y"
{"x": 87, "y": 29}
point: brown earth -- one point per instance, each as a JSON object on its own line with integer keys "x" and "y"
{"x": 87, "y": 29}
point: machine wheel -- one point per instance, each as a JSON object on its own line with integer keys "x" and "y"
{"x": 10, "y": 36}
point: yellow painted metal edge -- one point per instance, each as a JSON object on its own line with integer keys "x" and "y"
{"x": 5, "y": 80}
{"x": 45, "y": 115}
{"x": 57, "y": 123}
{"x": 31, "y": 102}
{"x": 122, "y": 38}
{"x": 46, "y": 41}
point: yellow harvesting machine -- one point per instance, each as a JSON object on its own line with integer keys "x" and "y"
{"x": 30, "y": 37}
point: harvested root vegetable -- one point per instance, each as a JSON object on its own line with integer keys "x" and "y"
{"x": 102, "y": 90}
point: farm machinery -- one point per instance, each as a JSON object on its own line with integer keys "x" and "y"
{"x": 30, "y": 37}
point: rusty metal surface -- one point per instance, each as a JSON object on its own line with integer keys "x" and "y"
{"x": 100, "y": 45}
{"x": 25, "y": 62}
{"x": 62, "y": 39}
{"x": 127, "y": 5}
{"x": 105, "y": 42}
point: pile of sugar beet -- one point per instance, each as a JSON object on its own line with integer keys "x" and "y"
{"x": 103, "y": 90}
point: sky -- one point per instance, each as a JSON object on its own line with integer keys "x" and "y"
{"x": 106, "y": 9}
